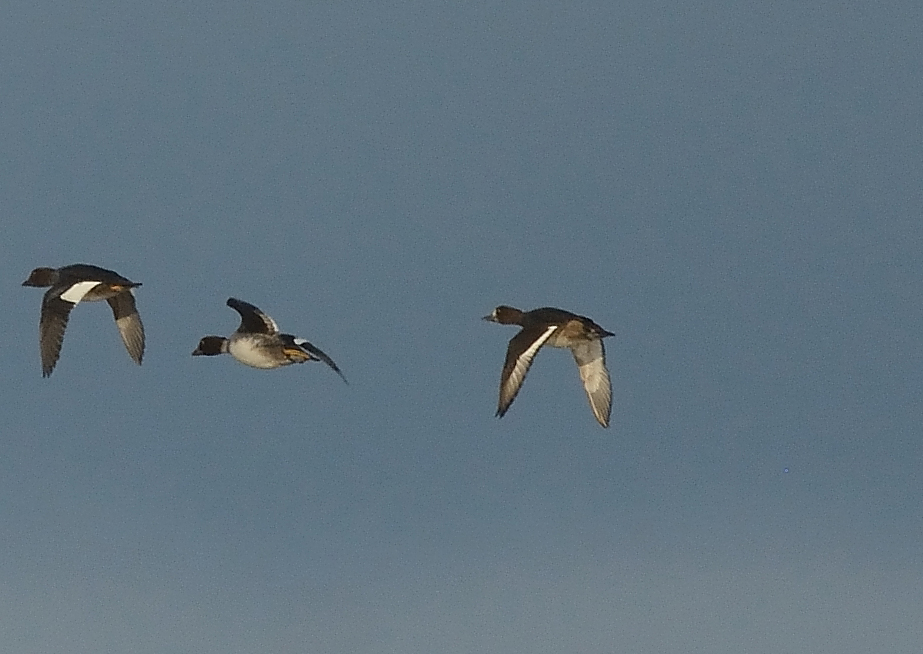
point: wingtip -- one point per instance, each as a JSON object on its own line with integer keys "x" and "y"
{"x": 340, "y": 373}
{"x": 136, "y": 356}
{"x": 601, "y": 418}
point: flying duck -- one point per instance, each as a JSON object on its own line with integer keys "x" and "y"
{"x": 258, "y": 343}
{"x": 83, "y": 282}
{"x": 557, "y": 328}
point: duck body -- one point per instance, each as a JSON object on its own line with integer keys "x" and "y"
{"x": 258, "y": 343}
{"x": 560, "y": 329}
{"x": 77, "y": 283}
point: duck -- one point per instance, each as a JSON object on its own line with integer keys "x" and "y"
{"x": 69, "y": 285}
{"x": 557, "y": 328}
{"x": 259, "y": 344}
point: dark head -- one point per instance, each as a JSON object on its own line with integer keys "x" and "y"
{"x": 505, "y": 315}
{"x": 210, "y": 346}
{"x": 42, "y": 277}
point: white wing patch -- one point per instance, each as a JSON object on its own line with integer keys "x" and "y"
{"x": 525, "y": 359}
{"x": 510, "y": 386}
{"x": 77, "y": 292}
{"x": 270, "y": 323}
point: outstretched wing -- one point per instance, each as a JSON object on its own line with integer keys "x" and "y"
{"x": 591, "y": 360}
{"x": 522, "y": 349}
{"x": 128, "y": 321}
{"x": 319, "y": 354}
{"x": 252, "y": 320}
{"x": 55, "y": 314}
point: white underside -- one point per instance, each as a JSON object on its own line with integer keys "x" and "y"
{"x": 250, "y": 354}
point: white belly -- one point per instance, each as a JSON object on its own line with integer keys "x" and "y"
{"x": 251, "y": 354}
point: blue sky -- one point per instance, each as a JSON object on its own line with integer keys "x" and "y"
{"x": 734, "y": 189}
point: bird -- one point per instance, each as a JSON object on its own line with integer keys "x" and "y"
{"x": 557, "y": 328}
{"x": 259, "y": 344}
{"x": 83, "y": 282}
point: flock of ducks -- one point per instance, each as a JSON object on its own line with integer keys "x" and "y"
{"x": 259, "y": 343}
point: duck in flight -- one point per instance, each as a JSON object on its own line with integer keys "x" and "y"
{"x": 83, "y": 282}
{"x": 258, "y": 343}
{"x": 557, "y": 328}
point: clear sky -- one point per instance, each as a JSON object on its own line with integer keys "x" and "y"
{"x": 733, "y": 188}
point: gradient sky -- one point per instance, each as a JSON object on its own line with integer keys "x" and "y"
{"x": 733, "y": 188}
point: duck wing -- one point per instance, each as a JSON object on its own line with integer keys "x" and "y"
{"x": 128, "y": 321}
{"x": 522, "y": 349}
{"x": 252, "y": 320}
{"x": 318, "y": 354}
{"x": 591, "y": 361}
{"x": 55, "y": 314}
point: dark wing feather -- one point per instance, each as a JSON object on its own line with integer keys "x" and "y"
{"x": 317, "y": 352}
{"x": 129, "y": 323}
{"x": 522, "y": 349}
{"x": 53, "y": 322}
{"x": 252, "y": 320}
